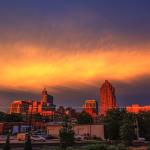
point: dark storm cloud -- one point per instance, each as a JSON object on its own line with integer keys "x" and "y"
{"x": 134, "y": 92}
{"x": 75, "y": 97}
{"x": 73, "y": 23}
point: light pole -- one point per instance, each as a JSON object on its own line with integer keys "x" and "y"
{"x": 136, "y": 127}
{"x": 30, "y": 119}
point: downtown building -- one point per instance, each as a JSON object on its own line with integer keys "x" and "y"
{"x": 136, "y": 108}
{"x": 108, "y": 101}
{"x": 107, "y": 98}
{"x": 44, "y": 107}
{"x": 91, "y": 107}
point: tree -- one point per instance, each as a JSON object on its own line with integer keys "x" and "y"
{"x": 127, "y": 131}
{"x": 14, "y": 117}
{"x": 36, "y": 117}
{"x": 28, "y": 145}
{"x": 84, "y": 118}
{"x": 112, "y": 122}
{"x": 7, "y": 144}
{"x": 66, "y": 135}
{"x": 2, "y": 117}
{"x": 144, "y": 124}
{"x": 46, "y": 118}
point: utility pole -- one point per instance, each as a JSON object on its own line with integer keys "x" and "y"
{"x": 30, "y": 119}
{"x": 90, "y": 127}
{"x": 136, "y": 127}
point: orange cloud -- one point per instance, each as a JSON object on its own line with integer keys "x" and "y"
{"x": 31, "y": 68}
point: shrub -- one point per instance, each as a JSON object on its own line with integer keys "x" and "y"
{"x": 70, "y": 148}
{"x": 104, "y": 147}
{"x": 121, "y": 147}
{"x": 95, "y": 147}
{"x": 117, "y": 147}
{"x": 112, "y": 147}
{"x": 148, "y": 148}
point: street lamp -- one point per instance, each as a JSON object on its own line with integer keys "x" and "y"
{"x": 137, "y": 127}
{"x": 30, "y": 119}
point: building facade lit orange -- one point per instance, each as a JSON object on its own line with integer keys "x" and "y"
{"x": 107, "y": 98}
{"x": 136, "y": 108}
{"x": 91, "y": 107}
{"x": 20, "y": 106}
{"x": 44, "y": 107}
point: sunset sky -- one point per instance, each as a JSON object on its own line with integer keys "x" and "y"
{"x": 72, "y": 46}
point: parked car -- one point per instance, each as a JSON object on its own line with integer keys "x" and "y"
{"x": 48, "y": 137}
{"x": 13, "y": 137}
{"x": 3, "y": 138}
{"x": 38, "y": 132}
{"x": 79, "y": 137}
{"x": 38, "y": 138}
{"x": 21, "y": 136}
{"x": 141, "y": 139}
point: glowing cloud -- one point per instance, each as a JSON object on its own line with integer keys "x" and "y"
{"x": 31, "y": 68}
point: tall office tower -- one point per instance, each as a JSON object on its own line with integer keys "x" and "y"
{"x": 46, "y": 98}
{"x": 46, "y": 107}
{"x": 107, "y": 98}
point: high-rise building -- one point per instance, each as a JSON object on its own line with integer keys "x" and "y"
{"x": 90, "y": 107}
{"x": 46, "y": 98}
{"x": 46, "y": 106}
{"x": 107, "y": 98}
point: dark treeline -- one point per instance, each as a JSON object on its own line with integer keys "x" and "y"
{"x": 82, "y": 118}
{"x": 4, "y": 117}
{"x": 16, "y": 117}
{"x": 125, "y": 126}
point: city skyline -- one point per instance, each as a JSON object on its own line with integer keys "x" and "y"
{"x": 71, "y": 47}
